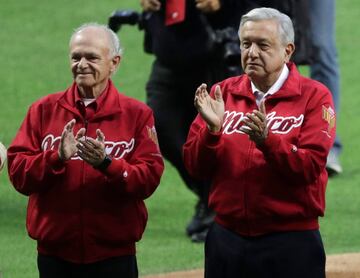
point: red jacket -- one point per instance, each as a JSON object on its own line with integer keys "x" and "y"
{"x": 279, "y": 186}
{"x": 75, "y": 212}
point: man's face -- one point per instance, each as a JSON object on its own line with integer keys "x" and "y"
{"x": 90, "y": 59}
{"x": 263, "y": 54}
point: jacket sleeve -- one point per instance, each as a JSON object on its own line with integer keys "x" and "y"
{"x": 140, "y": 174}
{"x": 30, "y": 168}
{"x": 201, "y": 150}
{"x": 305, "y": 159}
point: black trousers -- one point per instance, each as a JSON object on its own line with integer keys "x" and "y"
{"x": 278, "y": 255}
{"x": 170, "y": 94}
{"x": 117, "y": 267}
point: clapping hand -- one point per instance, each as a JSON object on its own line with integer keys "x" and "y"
{"x": 90, "y": 150}
{"x": 211, "y": 110}
{"x": 256, "y": 124}
{"x": 68, "y": 141}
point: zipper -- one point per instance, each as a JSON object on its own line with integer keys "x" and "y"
{"x": 246, "y": 188}
{"x": 81, "y": 199}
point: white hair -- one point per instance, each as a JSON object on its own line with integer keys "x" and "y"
{"x": 114, "y": 47}
{"x": 286, "y": 28}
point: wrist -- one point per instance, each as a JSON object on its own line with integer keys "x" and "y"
{"x": 213, "y": 129}
{"x": 61, "y": 156}
{"x": 104, "y": 164}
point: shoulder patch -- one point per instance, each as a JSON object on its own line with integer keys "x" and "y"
{"x": 152, "y": 134}
{"x": 328, "y": 114}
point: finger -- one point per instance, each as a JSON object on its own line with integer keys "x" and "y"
{"x": 88, "y": 151}
{"x": 64, "y": 133}
{"x": 218, "y": 94}
{"x": 94, "y": 143}
{"x": 100, "y": 136}
{"x": 70, "y": 125}
{"x": 203, "y": 87}
{"x": 81, "y": 133}
{"x": 253, "y": 127}
{"x": 84, "y": 156}
{"x": 83, "y": 152}
{"x": 251, "y": 117}
{"x": 91, "y": 144}
{"x": 245, "y": 129}
{"x": 84, "y": 146}
{"x": 257, "y": 118}
{"x": 200, "y": 89}
{"x": 204, "y": 92}
{"x": 262, "y": 106}
{"x": 260, "y": 115}
{"x": 196, "y": 100}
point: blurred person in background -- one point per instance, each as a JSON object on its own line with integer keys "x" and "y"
{"x": 263, "y": 138}
{"x": 180, "y": 34}
{"x": 325, "y": 66}
{"x": 87, "y": 158}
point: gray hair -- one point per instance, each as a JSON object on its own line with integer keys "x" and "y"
{"x": 115, "y": 46}
{"x": 286, "y": 28}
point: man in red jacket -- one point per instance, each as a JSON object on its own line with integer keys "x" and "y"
{"x": 87, "y": 158}
{"x": 263, "y": 138}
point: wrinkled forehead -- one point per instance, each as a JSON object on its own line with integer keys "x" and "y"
{"x": 90, "y": 40}
{"x": 265, "y": 28}
{"x": 90, "y": 36}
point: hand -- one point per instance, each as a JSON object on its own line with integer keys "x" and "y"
{"x": 68, "y": 141}
{"x": 92, "y": 151}
{"x": 208, "y": 6}
{"x": 256, "y": 125}
{"x": 150, "y": 5}
{"x": 211, "y": 110}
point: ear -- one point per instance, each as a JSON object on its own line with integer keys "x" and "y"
{"x": 289, "y": 50}
{"x": 115, "y": 62}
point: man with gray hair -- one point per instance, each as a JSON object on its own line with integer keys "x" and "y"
{"x": 87, "y": 158}
{"x": 263, "y": 138}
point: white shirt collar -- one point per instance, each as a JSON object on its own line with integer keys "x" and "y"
{"x": 277, "y": 85}
{"x": 87, "y": 101}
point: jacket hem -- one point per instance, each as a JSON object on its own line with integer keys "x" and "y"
{"x": 259, "y": 227}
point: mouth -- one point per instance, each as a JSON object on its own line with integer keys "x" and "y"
{"x": 253, "y": 65}
{"x": 83, "y": 73}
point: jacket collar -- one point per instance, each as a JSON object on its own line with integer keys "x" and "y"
{"x": 291, "y": 87}
{"x": 107, "y": 103}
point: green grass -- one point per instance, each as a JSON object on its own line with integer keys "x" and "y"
{"x": 34, "y": 62}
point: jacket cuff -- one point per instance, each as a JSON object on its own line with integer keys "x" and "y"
{"x": 55, "y": 162}
{"x": 115, "y": 168}
{"x": 212, "y": 138}
{"x": 271, "y": 143}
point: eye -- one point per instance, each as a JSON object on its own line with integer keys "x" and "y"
{"x": 264, "y": 46}
{"x": 75, "y": 58}
{"x": 92, "y": 58}
{"x": 245, "y": 45}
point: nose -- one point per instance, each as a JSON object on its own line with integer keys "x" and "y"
{"x": 254, "y": 50}
{"x": 82, "y": 63}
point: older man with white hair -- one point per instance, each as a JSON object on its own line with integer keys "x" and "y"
{"x": 87, "y": 188}
{"x": 262, "y": 138}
